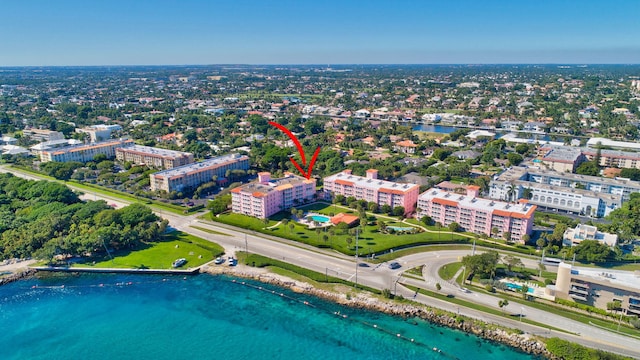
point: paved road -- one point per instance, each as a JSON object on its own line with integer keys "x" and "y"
{"x": 381, "y": 277}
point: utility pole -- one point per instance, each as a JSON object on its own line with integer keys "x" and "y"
{"x": 473, "y": 249}
{"x": 357, "y": 232}
{"x": 246, "y": 244}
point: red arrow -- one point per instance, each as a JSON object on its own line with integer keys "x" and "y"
{"x": 306, "y": 174}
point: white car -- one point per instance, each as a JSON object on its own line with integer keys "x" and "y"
{"x": 232, "y": 261}
{"x": 219, "y": 260}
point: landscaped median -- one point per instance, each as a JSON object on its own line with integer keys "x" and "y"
{"x": 371, "y": 240}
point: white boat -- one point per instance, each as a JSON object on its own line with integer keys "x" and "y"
{"x": 179, "y": 262}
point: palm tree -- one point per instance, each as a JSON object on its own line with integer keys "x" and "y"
{"x": 512, "y": 190}
{"x": 503, "y": 303}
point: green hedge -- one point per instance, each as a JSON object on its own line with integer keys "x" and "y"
{"x": 571, "y": 351}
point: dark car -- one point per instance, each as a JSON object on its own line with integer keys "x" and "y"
{"x": 362, "y": 264}
{"x": 394, "y": 265}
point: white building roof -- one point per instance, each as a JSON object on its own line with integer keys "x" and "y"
{"x": 186, "y": 169}
{"x": 156, "y": 151}
{"x": 469, "y": 202}
{"x": 593, "y": 142}
{"x": 363, "y": 182}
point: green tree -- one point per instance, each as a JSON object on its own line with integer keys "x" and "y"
{"x": 398, "y": 211}
{"x": 592, "y": 251}
{"x": 502, "y": 304}
{"x": 514, "y": 158}
{"x": 588, "y": 168}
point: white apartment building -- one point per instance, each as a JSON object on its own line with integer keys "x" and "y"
{"x": 84, "y": 152}
{"x": 195, "y": 174}
{"x": 153, "y": 157}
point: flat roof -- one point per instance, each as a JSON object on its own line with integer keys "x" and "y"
{"x": 562, "y": 154}
{"x": 189, "y": 168}
{"x": 74, "y": 148}
{"x": 608, "y": 142}
{"x": 148, "y": 150}
{"x": 487, "y": 205}
{"x": 363, "y": 182}
{"x": 627, "y": 280}
{"x": 619, "y": 154}
{"x": 518, "y": 172}
{"x": 276, "y": 184}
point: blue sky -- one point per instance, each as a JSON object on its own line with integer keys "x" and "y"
{"x": 128, "y": 32}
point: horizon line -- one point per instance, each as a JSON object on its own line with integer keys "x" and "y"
{"x": 331, "y": 64}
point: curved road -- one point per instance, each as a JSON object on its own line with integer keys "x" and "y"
{"x": 381, "y": 277}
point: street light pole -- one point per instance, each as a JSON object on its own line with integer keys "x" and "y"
{"x": 357, "y": 231}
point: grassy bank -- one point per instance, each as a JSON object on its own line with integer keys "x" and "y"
{"x": 160, "y": 255}
{"x": 256, "y": 260}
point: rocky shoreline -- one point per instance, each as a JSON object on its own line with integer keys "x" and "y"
{"x": 17, "y": 276}
{"x": 523, "y": 342}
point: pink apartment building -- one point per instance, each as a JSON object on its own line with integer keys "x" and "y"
{"x": 477, "y": 215}
{"x": 269, "y": 196}
{"x": 372, "y": 189}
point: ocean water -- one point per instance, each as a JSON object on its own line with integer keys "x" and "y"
{"x": 208, "y": 317}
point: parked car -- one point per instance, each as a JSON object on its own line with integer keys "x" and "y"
{"x": 394, "y": 265}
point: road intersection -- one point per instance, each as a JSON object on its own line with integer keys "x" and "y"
{"x": 381, "y": 277}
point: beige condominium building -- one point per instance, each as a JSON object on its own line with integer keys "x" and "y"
{"x": 598, "y": 287}
{"x": 86, "y": 152}
{"x": 153, "y": 157}
{"x": 195, "y": 174}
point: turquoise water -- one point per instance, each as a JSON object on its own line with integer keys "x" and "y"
{"x": 518, "y": 287}
{"x": 400, "y": 228}
{"x": 207, "y": 317}
{"x": 320, "y": 218}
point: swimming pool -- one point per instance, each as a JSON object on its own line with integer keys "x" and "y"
{"x": 320, "y": 218}
{"x": 516, "y": 287}
{"x": 400, "y": 228}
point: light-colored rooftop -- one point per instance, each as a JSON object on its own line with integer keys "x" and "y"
{"x": 275, "y": 184}
{"x": 519, "y": 173}
{"x": 82, "y": 146}
{"x": 186, "y": 169}
{"x": 562, "y": 154}
{"x": 593, "y": 142}
{"x": 618, "y": 278}
{"x": 155, "y": 151}
{"x": 363, "y": 182}
{"x": 55, "y": 143}
{"x": 464, "y": 201}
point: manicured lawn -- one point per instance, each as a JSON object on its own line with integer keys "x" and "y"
{"x": 370, "y": 240}
{"x": 448, "y": 271}
{"x": 161, "y": 255}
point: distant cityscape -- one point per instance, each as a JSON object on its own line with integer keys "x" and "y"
{"x": 532, "y": 158}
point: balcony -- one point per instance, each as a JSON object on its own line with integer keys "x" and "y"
{"x": 580, "y": 291}
{"x": 578, "y": 297}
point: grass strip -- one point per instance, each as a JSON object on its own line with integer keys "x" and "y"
{"x": 471, "y": 305}
{"x": 256, "y": 260}
{"x": 208, "y": 230}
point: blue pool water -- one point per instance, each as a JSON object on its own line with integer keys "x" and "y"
{"x": 320, "y": 218}
{"x": 207, "y": 317}
{"x": 517, "y": 287}
{"x": 400, "y": 228}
